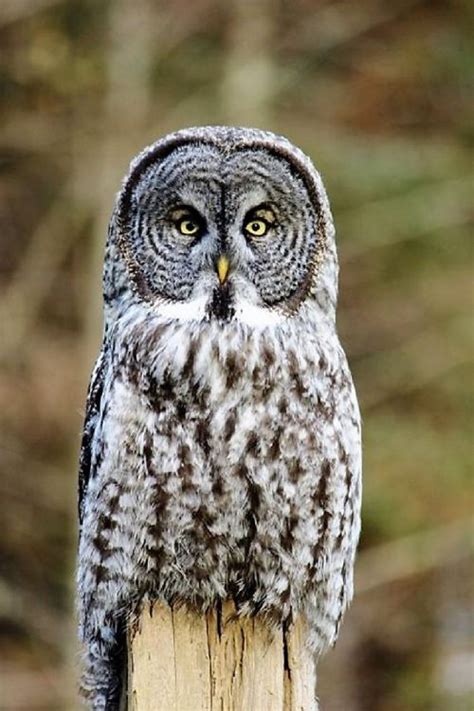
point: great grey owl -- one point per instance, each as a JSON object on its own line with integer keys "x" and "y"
{"x": 221, "y": 454}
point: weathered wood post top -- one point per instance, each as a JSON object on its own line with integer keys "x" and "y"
{"x": 180, "y": 660}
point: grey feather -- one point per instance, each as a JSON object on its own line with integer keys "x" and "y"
{"x": 222, "y": 450}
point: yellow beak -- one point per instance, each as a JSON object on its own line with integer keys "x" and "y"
{"x": 222, "y": 268}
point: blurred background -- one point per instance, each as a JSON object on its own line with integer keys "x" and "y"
{"x": 378, "y": 94}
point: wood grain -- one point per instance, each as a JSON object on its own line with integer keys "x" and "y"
{"x": 179, "y": 660}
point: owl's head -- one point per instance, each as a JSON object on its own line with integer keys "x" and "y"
{"x": 222, "y": 223}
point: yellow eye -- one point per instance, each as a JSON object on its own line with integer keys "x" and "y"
{"x": 188, "y": 227}
{"x": 256, "y": 228}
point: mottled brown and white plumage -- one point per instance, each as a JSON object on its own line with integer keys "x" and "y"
{"x": 221, "y": 454}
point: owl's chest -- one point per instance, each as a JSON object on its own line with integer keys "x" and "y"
{"x": 235, "y": 404}
{"x": 224, "y": 398}
{"x": 223, "y": 434}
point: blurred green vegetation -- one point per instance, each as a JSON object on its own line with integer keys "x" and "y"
{"x": 379, "y": 95}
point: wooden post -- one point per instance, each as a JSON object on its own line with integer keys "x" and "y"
{"x": 180, "y": 660}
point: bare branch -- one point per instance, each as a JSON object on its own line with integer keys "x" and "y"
{"x": 35, "y": 275}
{"x": 15, "y": 10}
{"x": 411, "y": 215}
{"x": 413, "y": 555}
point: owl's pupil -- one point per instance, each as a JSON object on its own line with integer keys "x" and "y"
{"x": 188, "y": 227}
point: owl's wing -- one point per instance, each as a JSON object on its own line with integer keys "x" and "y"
{"x": 94, "y": 396}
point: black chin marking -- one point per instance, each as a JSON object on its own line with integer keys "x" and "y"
{"x": 221, "y": 305}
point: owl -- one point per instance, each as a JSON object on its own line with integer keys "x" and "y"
{"x": 221, "y": 453}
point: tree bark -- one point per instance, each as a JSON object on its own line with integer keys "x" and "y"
{"x": 179, "y": 660}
